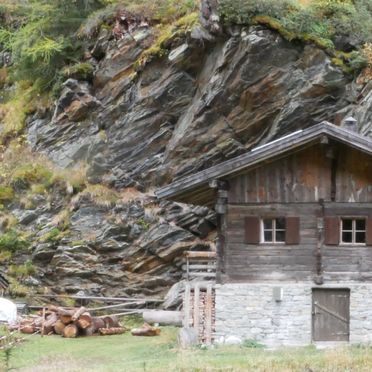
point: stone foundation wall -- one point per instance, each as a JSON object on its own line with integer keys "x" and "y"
{"x": 249, "y": 311}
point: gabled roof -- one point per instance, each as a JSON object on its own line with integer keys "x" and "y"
{"x": 195, "y": 188}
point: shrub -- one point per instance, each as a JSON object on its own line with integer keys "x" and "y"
{"x": 100, "y": 195}
{"x": 22, "y": 271}
{"x": 27, "y": 174}
{"x": 6, "y": 194}
{"x": 13, "y": 241}
{"x": 44, "y": 40}
{"x": 79, "y": 71}
{"x": 54, "y": 235}
{"x": 324, "y": 19}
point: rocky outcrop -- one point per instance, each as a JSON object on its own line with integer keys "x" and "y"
{"x": 214, "y": 95}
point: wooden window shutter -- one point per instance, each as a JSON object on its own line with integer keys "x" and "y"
{"x": 252, "y": 230}
{"x": 331, "y": 230}
{"x": 369, "y": 231}
{"x": 292, "y": 230}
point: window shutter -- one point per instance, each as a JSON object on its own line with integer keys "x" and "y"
{"x": 369, "y": 231}
{"x": 252, "y": 230}
{"x": 292, "y": 230}
{"x": 331, "y": 230}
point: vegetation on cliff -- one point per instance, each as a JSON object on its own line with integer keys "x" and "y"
{"x": 342, "y": 25}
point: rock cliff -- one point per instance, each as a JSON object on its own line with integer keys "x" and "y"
{"x": 213, "y": 94}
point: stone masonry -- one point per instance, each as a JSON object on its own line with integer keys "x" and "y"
{"x": 250, "y": 312}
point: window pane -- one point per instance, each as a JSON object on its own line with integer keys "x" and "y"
{"x": 268, "y": 236}
{"x": 280, "y": 223}
{"x": 360, "y": 237}
{"x": 360, "y": 225}
{"x": 347, "y": 237}
{"x": 347, "y": 224}
{"x": 280, "y": 236}
{"x": 268, "y": 224}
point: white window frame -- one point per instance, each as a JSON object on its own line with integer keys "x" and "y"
{"x": 273, "y": 230}
{"x": 353, "y": 230}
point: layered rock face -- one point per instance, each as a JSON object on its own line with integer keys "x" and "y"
{"x": 216, "y": 94}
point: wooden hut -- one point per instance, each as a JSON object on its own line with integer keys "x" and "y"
{"x": 294, "y": 237}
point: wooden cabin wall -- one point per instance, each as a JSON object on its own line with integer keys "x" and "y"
{"x": 245, "y": 262}
{"x": 280, "y": 262}
{"x": 301, "y": 177}
{"x": 353, "y": 176}
{"x": 306, "y": 177}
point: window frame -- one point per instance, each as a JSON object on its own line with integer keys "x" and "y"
{"x": 353, "y": 230}
{"x": 273, "y": 230}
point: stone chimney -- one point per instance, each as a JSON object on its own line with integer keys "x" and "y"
{"x": 351, "y": 124}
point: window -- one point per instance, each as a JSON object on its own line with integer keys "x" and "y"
{"x": 273, "y": 230}
{"x": 353, "y": 231}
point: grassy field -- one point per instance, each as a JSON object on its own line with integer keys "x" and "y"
{"x": 128, "y": 353}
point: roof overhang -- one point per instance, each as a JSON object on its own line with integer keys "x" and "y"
{"x": 195, "y": 188}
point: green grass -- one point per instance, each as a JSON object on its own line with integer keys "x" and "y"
{"x": 128, "y": 353}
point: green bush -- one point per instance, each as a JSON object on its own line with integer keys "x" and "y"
{"x": 44, "y": 38}
{"x": 13, "y": 241}
{"x": 79, "y": 71}
{"x": 322, "y": 19}
{"x": 6, "y": 194}
{"x": 26, "y": 174}
{"x": 51, "y": 236}
{"x": 22, "y": 271}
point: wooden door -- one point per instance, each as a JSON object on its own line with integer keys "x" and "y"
{"x": 331, "y": 314}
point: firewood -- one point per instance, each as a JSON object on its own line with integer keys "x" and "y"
{"x": 111, "y": 321}
{"x": 112, "y": 331}
{"x": 78, "y": 312}
{"x": 59, "y": 326}
{"x": 70, "y": 331}
{"x": 28, "y": 329}
{"x": 89, "y": 331}
{"x": 53, "y": 308}
{"x": 84, "y": 321}
{"x": 98, "y": 323}
{"x": 49, "y": 323}
{"x": 65, "y": 315}
{"x": 146, "y": 330}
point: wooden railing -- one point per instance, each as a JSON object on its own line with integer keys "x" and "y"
{"x": 200, "y": 265}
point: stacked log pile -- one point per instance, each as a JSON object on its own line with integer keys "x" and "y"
{"x": 70, "y": 323}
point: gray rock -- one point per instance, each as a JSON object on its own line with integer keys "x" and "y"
{"x": 27, "y": 217}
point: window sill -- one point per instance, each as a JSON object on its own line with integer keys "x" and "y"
{"x": 353, "y": 244}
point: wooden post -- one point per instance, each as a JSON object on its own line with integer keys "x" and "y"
{"x": 196, "y": 307}
{"x": 186, "y": 307}
{"x": 43, "y": 322}
{"x": 208, "y": 315}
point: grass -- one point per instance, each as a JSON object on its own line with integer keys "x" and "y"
{"x": 128, "y": 353}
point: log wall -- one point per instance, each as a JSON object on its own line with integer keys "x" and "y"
{"x": 281, "y": 262}
{"x": 332, "y": 173}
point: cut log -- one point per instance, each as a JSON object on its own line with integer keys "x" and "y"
{"x": 70, "y": 331}
{"x": 112, "y": 331}
{"x": 78, "y": 312}
{"x": 90, "y": 331}
{"x": 49, "y": 324}
{"x": 163, "y": 317}
{"x": 84, "y": 321}
{"x": 28, "y": 329}
{"x": 111, "y": 321}
{"x": 96, "y": 324}
{"x": 146, "y": 330}
{"x": 59, "y": 326}
{"x": 65, "y": 315}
